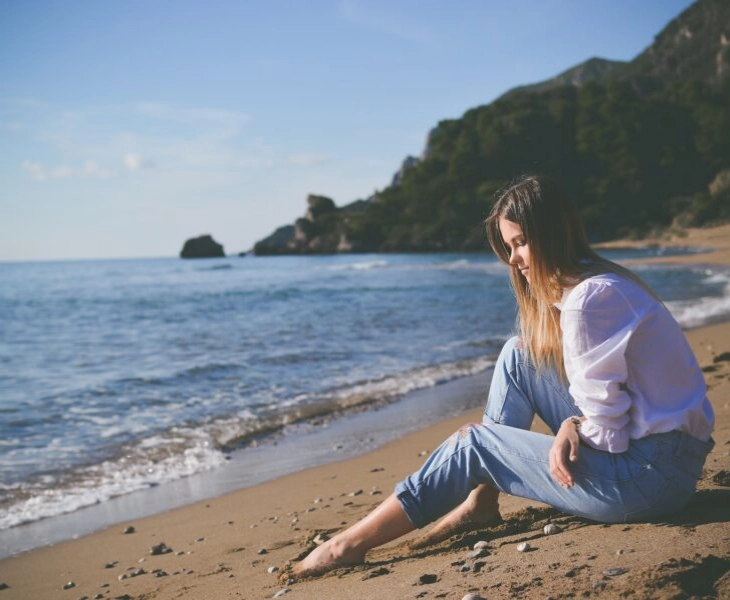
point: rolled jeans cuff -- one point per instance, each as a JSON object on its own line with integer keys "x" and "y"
{"x": 410, "y": 506}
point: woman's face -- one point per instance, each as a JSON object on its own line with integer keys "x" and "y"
{"x": 519, "y": 249}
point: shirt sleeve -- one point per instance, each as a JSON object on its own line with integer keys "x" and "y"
{"x": 597, "y": 323}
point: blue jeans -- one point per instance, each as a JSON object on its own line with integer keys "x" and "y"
{"x": 654, "y": 477}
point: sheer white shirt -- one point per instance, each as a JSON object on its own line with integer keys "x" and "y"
{"x": 630, "y": 368}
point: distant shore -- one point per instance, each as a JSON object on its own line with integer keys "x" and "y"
{"x": 225, "y": 547}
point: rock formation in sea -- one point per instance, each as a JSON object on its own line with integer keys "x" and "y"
{"x": 203, "y": 246}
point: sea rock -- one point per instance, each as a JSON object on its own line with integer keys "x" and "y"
{"x": 203, "y": 246}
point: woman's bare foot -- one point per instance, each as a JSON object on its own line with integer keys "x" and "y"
{"x": 348, "y": 548}
{"x": 333, "y": 554}
{"x": 479, "y": 510}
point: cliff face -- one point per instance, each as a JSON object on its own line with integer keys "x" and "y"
{"x": 636, "y": 143}
{"x": 695, "y": 45}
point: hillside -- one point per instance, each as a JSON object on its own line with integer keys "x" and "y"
{"x": 640, "y": 145}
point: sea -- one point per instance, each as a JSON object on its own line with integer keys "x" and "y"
{"x": 127, "y": 386}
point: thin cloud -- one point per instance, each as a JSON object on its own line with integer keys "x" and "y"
{"x": 135, "y": 162}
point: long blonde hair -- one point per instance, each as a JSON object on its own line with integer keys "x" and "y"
{"x": 560, "y": 257}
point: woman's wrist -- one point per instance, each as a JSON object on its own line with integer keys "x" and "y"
{"x": 574, "y": 421}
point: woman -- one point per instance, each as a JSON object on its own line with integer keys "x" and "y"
{"x": 599, "y": 358}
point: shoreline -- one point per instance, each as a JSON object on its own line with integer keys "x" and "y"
{"x": 216, "y": 542}
{"x": 305, "y": 445}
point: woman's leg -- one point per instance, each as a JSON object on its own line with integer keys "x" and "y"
{"x": 387, "y": 522}
{"x": 517, "y": 392}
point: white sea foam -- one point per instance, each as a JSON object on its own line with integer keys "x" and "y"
{"x": 700, "y": 311}
{"x": 151, "y": 462}
{"x": 360, "y": 266}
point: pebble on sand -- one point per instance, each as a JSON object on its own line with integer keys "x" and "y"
{"x": 272, "y": 569}
{"x": 69, "y": 585}
{"x": 161, "y": 548}
{"x": 320, "y": 538}
{"x": 480, "y": 544}
{"x": 551, "y": 528}
{"x": 280, "y": 593}
{"x": 129, "y": 530}
{"x": 472, "y": 597}
{"x": 523, "y": 547}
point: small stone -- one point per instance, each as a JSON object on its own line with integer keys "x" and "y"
{"x": 160, "y": 573}
{"x": 551, "y": 528}
{"x": 272, "y": 569}
{"x": 481, "y": 544}
{"x": 478, "y": 553}
{"x": 200, "y": 539}
{"x": 464, "y": 568}
{"x": 523, "y": 547}
{"x": 69, "y": 585}
{"x": 129, "y": 530}
{"x": 111, "y": 565}
{"x": 141, "y": 560}
{"x": 138, "y": 572}
{"x": 423, "y": 453}
{"x": 427, "y": 578}
{"x": 320, "y": 538}
{"x": 159, "y": 549}
{"x": 280, "y": 593}
{"x": 355, "y": 493}
{"x": 3, "y": 585}
{"x": 615, "y": 571}
{"x": 122, "y": 577}
{"x": 262, "y": 551}
{"x": 471, "y": 596}
{"x": 98, "y": 596}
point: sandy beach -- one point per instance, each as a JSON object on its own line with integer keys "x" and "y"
{"x": 236, "y": 545}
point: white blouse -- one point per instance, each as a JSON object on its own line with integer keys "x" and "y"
{"x": 631, "y": 370}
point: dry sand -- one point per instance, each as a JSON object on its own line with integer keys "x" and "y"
{"x": 226, "y": 547}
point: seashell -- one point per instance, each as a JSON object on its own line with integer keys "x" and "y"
{"x": 523, "y": 547}
{"x": 551, "y": 528}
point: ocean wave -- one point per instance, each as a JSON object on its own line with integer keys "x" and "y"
{"x": 184, "y": 451}
{"x": 706, "y": 309}
{"x": 360, "y": 266}
{"x": 151, "y": 462}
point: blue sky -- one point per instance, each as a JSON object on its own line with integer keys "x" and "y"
{"x": 129, "y": 126}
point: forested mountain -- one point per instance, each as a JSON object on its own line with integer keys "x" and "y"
{"x": 638, "y": 145}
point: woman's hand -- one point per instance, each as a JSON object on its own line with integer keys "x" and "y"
{"x": 564, "y": 449}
